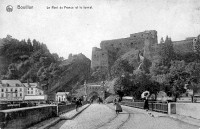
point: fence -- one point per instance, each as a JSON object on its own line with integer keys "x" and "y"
{"x": 133, "y": 104}
{"x": 154, "y": 106}
{"x": 159, "y": 107}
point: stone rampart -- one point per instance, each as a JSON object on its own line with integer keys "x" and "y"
{"x": 21, "y": 118}
{"x": 183, "y": 46}
{"x": 110, "y": 49}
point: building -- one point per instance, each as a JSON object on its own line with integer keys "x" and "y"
{"x": 12, "y": 91}
{"x": 35, "y": 99}
{"x": 61, "y": 96}
{"x": 33, "y": 89}
{"x": 34, "y": 94}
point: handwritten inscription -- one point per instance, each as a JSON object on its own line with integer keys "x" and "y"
{"x": 69, "y": 7}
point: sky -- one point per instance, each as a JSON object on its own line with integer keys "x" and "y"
{"x": 77, "y": 30}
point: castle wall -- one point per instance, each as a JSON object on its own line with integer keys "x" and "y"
{"x": 125, "y": 43}
{"x": 105, "y": 55}
{"x": 183, "y": 46}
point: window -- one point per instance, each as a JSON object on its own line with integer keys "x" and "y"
{"x": 11, "y": 89}
{"x": 6, "y": 90}
{"x": 20, "y": 94}
{"x": 2, "y": 95}
{"x": 20, "y": 89}
{"x": 1, "y": 90}
{"x": 31, "y": 92}
{"x": 31, "y": 88}
{"x": 28, "y": 92}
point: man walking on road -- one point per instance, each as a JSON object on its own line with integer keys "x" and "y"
{"x": 78, "y": 103}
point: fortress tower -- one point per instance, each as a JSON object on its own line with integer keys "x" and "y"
{"x": 99, "y": 58}
{"x": 150, "y": 42}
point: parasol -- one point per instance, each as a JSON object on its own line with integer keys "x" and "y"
{"x": 145, "y": 94}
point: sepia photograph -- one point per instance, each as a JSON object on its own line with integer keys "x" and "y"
{"x": 99, "y": 64}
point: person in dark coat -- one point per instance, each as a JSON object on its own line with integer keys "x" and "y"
{"x": 146, "y": 104}
{"x": 91, "y": 101}
{"x": 118, "y": 107}
{"x": 77, "y": 104}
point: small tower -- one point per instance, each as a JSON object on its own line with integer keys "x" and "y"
{"x": 149, "y": 43}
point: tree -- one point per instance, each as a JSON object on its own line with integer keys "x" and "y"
{"x": 166, "y": 52}
{"x": 196, "y": 44}
{"x": 121, "y": 66}
{"x": 193, "y": 69}
{"x": 177, "y": 78}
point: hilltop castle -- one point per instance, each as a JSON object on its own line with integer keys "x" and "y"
{"x": 143, "y": 41}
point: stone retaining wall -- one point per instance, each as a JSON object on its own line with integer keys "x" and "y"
{"x": 21, "y": 118}
{"x": 188, "y": 109}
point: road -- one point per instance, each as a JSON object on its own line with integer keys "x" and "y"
{"x": 100, "y": 116}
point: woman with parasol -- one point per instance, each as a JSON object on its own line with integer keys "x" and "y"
{"x": 145, "y": 95}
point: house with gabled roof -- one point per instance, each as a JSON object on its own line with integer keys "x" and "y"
{"x": 12, "y": 90}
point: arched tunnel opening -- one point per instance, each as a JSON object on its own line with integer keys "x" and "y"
{"x": 93, "y": 96}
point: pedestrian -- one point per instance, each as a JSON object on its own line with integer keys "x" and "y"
{"x": 91, "y": 101}
{"x": 77, "y": 104}
{"x": 118, "y": 107}
{"x": 100, "y": 100}
{"x": 146, "y": 103}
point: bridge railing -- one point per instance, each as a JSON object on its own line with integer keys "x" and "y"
{"x": 153, "y": 105}
{"x": 159, "y": 107}
{"x": 65, "y": 108}
{"x": 133, "y": 104}
{"x": 26, "y": 117}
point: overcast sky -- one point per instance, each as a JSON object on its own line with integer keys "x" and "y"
{"x": 66, "y": 31}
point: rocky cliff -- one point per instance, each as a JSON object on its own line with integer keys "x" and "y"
{"x": 31, "y": 61}
{"x": 71, "y": 74}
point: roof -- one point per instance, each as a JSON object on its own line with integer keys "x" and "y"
{"x": 12, "y": 83}
{"x": 30, "y": 84}
{"x": 62, "y": 93}
{"x": 35, "y": 97}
